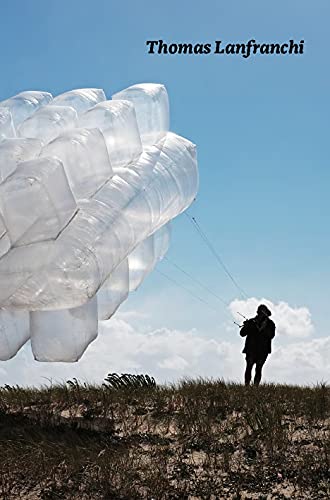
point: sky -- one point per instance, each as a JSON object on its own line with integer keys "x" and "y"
{"x": 261, "y": 126}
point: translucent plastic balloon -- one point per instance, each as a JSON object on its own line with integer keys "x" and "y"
{"x": 63, "y": 335}
{"x": 23, "y": 105}
{"x": 48, "y": 122}
{"x": 5, "y": 242}
{"x": 113, "y": 291}
{"x": 36, "y": 201}
{"x": 146, "y": 255}
{"x": 85, "y": 158}
{"x": 117, "y": 121}
{"x": 14, "y": 332}
{"x": 6, "y": 124}
{"x": 87, "y": 191}
{"x": 80, "y": 99}
{"x": 14, "y": 151}
{"x": 152, "y": 110}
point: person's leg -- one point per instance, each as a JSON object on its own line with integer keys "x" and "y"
{"x": 259, "y": 364}
{"x": 248, "y": 370}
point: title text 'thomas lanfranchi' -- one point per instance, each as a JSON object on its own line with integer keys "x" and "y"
{"x": 245, "y": 49}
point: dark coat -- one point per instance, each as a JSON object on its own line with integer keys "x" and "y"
{"x": 259, "y": 335}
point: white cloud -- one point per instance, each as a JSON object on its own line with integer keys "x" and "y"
{"x": 165, "y": 354}
{"x": 173, "y": 363}
{"x": 172, "y": 354}
{"x": 304, "y": 362}
{"x": 290, "y": 321}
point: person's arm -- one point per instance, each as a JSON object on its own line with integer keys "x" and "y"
{"x": 246, "y": 328}
{"x": 271, "y": 329}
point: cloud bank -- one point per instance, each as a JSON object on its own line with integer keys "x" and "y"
{"x": 169, "y": 355}
{"x": 290, "y": 321}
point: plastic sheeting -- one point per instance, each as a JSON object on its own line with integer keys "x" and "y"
{"x": 14, "y": 151}
{"x": 6, "y": 124}
{"x": 80, "y": 100}
{"x": 23, "y": 105}
{"x": 48, "y": 122}
{"x": 85, "y": 158}
{"x": 113, "y": 291}
{"x": 75, "y": 330}
{"x": 152, "y": 110}
{"x": 87, "y": 190}
{"x": 4, "y": 238}
{"x": 146, "y": 255}
{"x": 36, "y": 201}
{"x": 14, "y": 332}
{"x": 117, "y": 121}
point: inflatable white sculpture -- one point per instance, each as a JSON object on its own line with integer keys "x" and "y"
{"x": 87, "y": 189}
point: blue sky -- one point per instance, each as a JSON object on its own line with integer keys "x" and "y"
{"x": 261, "y": 126}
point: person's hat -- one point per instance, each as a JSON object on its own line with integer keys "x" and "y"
{"x": 264, "y": 309}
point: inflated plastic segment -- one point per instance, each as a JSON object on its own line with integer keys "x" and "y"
{"x": 151, "y": 105}
{"x": 36, "y": 201}
{"x": 146, "y": 255}
{"x": 14, "y": 332}
{"x": 14, "y": 151}
{"x": 104, "y": 232}
{"x": 162, "y": 239}
{"x": 63, "y": 335}
{"x": 113, "y": 292}
{"x": 48, "y": 122}
{"x": 141, "y": 262}
{"x": 80, "y": 99}
{"x": 5, "y": 242}
{"x": 6, "y": 124}
{"x": 23, "y": 105}
{"x": 85, "y": 158}
{"x": 117, "y": 121}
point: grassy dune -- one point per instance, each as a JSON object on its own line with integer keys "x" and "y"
{"x": 198, "y": 439}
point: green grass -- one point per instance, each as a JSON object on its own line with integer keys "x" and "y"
{"x": 130, "y": 438}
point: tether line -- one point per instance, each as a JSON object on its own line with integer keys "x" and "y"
{"x": 215, "y": 254}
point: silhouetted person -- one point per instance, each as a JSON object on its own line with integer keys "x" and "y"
{"x": 259, "y": 332}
